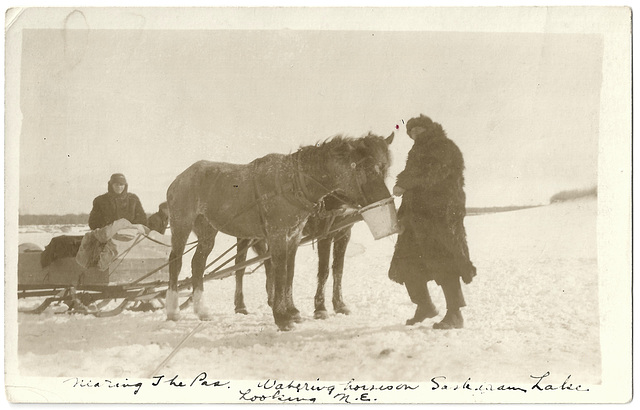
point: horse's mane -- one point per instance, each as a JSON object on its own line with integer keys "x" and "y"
{"x": 344, "y": 148}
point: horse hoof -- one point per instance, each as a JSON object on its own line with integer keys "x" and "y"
{"x": 205, "y": 316}
{"x": 286, "y": 327}
{"x": 242, "y": 311}
{"x": 343, "y": 310}
{"x": 173, "y": 316}
{"x": 321, "y": 314}
{"x": 294, "y": 315}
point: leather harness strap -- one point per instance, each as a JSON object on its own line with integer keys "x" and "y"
{"x": 293, "y": 189}
{"x": 288, "y": 190}
{"x": 301, "y": 183}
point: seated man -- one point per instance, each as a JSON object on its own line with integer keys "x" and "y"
{"x": 117, "y": 203}
{"x": 158, "y": 222}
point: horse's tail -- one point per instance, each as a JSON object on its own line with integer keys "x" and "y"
{"x": 182, "y": 200}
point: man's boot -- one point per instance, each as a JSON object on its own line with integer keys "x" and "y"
{"x": 452, "y": 320}
{"x": 419, "y": 294}
{"x": 455, "y": 300}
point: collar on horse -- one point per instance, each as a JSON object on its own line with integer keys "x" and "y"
{"x": 293, "y": 189}
{"x": 296, "y": 191}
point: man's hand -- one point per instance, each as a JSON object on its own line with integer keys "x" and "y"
{"x": 398, "y": 190}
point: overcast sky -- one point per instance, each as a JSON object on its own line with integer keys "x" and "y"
{"x": 523, "y": 108}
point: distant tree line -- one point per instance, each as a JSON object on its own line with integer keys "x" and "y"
{"x": 494, "y": 209}
{"x": 83, "y": 219}
{"x": 68, "y": 219}
{"x": 574, "y": 194}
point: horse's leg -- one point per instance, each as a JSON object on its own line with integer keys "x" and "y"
{"x": 340, "y": 242}
{"x": 179, "y": 235}
{"x": 278, "y": 247}
{"x": 324, "y": 253}
{"x": 261, "y": 248}
{"x": 206, "y": 239}
{"x": 241, "y": 256}
{"x": 292, "y": 249}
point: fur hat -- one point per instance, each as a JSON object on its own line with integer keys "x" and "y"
{"x": 431, "y": 129}
{"x": 119, "y": 178}
{"x": 421, "y": 121}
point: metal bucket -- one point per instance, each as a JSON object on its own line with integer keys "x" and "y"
{"x": 381, "y": 218}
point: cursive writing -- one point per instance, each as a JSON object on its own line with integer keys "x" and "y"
{"x": 438, "y": 383}
{"x": 247, "y": 395}
{"x": 105, "y": 383}
{"x": 353, "y": 386}
{"x": 271, "y": 390}
{"x": 541, "y": 384}
{"x": 297, "y": 386}
{"x": 352, "y": 391}
{"x": 200, "y": 380}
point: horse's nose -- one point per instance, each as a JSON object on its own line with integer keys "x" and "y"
{"x": 375, "y": 190}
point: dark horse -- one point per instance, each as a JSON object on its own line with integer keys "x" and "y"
{"x": 326, "y": 226}
{"x": 271, "y": 198}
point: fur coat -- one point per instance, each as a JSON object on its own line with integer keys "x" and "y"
{"x": 110, "y": 207}
{"x": 433, "y": 239}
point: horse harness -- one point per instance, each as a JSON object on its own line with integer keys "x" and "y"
{"x": 292, "y": 189}
{"x": 295, "y": 190}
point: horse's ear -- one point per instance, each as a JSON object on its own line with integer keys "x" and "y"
{"x": 389, "y": 139}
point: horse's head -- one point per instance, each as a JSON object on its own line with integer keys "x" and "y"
{"x": 360, "y": 166}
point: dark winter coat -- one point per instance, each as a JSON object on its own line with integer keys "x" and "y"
{"x": 433, "y": 241}
{"x": 110, "y": 207}
{"x": 158, "y": 222}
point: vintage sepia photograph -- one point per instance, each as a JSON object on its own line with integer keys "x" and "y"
{"x": 329, "y": 205}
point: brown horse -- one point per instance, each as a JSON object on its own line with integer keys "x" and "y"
{"x": 270, "y": 198}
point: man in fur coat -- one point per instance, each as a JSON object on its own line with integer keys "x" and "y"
{"x": 117, "y": 203}
{"x": 432, "y": 244}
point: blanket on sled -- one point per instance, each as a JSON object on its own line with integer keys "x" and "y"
{"x": 100, "y": 247}
{"x": 64, "y": 246}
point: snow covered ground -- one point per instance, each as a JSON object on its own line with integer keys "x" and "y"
{"x": 532, "y": 309}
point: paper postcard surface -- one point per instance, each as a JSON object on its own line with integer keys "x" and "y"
{"x": 536, "y": 99}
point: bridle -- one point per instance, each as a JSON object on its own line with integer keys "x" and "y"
{"x": 302, "y": 178}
